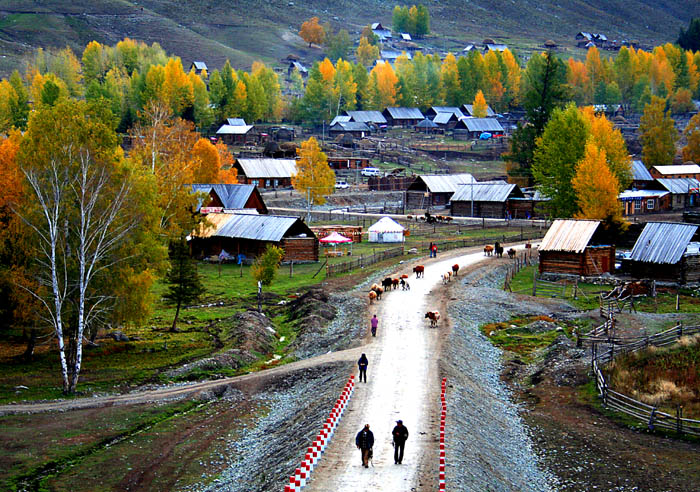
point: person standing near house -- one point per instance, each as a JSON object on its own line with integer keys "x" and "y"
{"x": 373, "y": 324}
{"x": 399, "y": 435}
{"x": 364, "y": 442}
{"x": 362, "y": 365}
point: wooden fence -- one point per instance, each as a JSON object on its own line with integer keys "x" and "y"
{"x": 521, "y": 260}
{"x": 648, "y": 414}
{"x": 479, "y": 241}
{"x": 363, "y": 261}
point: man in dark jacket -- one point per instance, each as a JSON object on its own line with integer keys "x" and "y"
{"x": 362, "y": 365}
{"x": 364, "y": 442}
{"x": 400, "y": 434}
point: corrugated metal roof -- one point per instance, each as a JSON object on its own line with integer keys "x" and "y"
{"x": 482, "y": 125}
{"x": 679, "y": 186}
{"x": 469, "y": 108}
{"x": 231, "y": 195}
{"x": 235, "y": 121}
{"x": 234, "y": 129}
{"x": 246, "y": 226}
{"x": 268, "y": 168}
{"x": 367, "y": 117}
{"x": 393, "y": 54}
{"x": 663, "y": 242}
{"x": 640, "y": 194}
{"x": 485, "y": 192}
{"x": 496, "y": 47}
{"x": 446, "y": 183}
{"x": 680, "y": 169}
{"x": 449, "y": 109}
{"x": 640, "y": 172}
{"x": 569, "y": 235}
{"x": 405, "y": 36}
{"x": 426, "y": 123}
{"x": 350, "y": 126}
{"x": 200, "y": 65}
{"x": 443, "y": 118}
{"x": 340, "y": 119}
{"x": 405, "y": 113}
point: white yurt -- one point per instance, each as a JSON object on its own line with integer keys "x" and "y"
{"x": 386, "y": 230}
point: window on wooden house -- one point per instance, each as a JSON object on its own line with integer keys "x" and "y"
{"x": 637, "y": 205}
{"x": 650, "y": 204}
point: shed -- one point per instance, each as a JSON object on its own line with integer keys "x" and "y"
{"x": 680, "y": 171}
{"x": 445, "y": 120}
{"x": 487, "y": 199}
{"x": 367, "y": 117}
{"x": 266, "y": 173}
{"x": 435, "y": 110}
{"x": 236, "y": 134}
{"x": 295, "y": 65}
{"x": 340, "y": 119}
{"x": 661, "y": 253}
{"x": 571, "y": 247}
{"x": 386, "y": 230}
{"x": 434, "y": 190}
{"x": 405, "y": 36}
{"x": 405, "y": 117}
{"x": 230, "y": 197}
{"x": 641, "y": 178}
{"x": 636, "y": 202}
{"x": 468, "y": 110}
{"x": 685, "y": 192}
{"x": 357, "y": 130}
{"x": 199, "y": 67}
{"x": 476, "y": 126}
{"x": 251, "y": 234}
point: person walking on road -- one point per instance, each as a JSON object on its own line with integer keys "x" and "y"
{"x": 374, "y": 322}
{"x": 362, "y": 364}
{"x": 430, "y": 249}
{"x": 434, "y": 250}
{"x": 399, "y": 434}
{"x": 364, "y": 442}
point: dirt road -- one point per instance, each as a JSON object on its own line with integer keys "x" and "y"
{"x": 403, "y": 383}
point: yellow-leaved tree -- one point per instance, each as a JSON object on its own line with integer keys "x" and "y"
{"x": 382, "y": 86}
{"x": 610, "y": 139}
{"x": 691, "y": 152}
{"x": 596, "y": 187}
{"x": 479, "y": 107}
{"x": 366, "y": 52}
{"x": 312, "y": 32}
{"x": 314, "y": 178}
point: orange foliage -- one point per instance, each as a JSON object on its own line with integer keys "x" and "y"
{"x": 10, "y": 174}
{"x": 383, "y": 82}
{"x": 479, "y": 106}
{"x": 596, "y": 187}
{"x": 227, "y": 173}
{"x": 312, "y": 32}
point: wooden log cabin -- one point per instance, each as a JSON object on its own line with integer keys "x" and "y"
{"x": 573, "y": 247}
{"x": 434, "y": 190}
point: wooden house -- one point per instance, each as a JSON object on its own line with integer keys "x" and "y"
{"x": 405, "y": 117}
{"x": 446, "y": 120}
{"x": 474, "y": 127}
{"x": 468, "y": 110}
{"x": 484, "y": 200}
{"x": 298, "y": 66}
{"x": 435, "y": 110}
{"x": 664, "y": 251}
{"x": 249, "y": 235}
{"x": 381, "y": 32}
{"x": 357, "y": 130}
{"x": 237, "y": 134}
{"x": 434, "y": 190}
{"x": 342, "y": 162}
{"x": 199, "y": 67}
{"x": 685, "y": 192}
{"x": 373, "y": 119}
{"x": 572, "y": 247}
{"x": 637, "y": 202}
{"x": 227, "y": 198}
{"x": 688, "y": 170}
{"x": 266, "y": 173}
{"x": 641, "y": 178}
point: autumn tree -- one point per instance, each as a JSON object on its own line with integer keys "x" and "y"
{"x": 312, "y": 32}
{"x": 265, "y": 266}
{"x": 658, "y": 134}
{"x": 596, "y": 187}
{"x": 89, "y": 212}
{"x": 479, "y": 106}
{"x": 314, "y": 177}
{"x": 449, "y": 81}
{"x": 227, "y": 173}
{"x": 366, "y": 52}
{"x": 558, "y": 151}
{"x": 609, "y": 139}
{"x": 382, "y": 86}
{"x": 691, "y": 152}
{"x": 184, "y": 284}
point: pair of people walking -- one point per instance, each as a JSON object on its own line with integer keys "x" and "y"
{"x": 365, "y": 441}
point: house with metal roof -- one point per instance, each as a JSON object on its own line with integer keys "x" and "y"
{"x": 367, "y": 117}
{"x": 636, "y": 202}
{"x": 249, "y": 235}
{"x": 474, "y": 127}
{"x": 680, "y": 171}
{"x": 662, "y": 252}
{"x": 235, "y": 121}
{"x": 435, "y": 110}
{"x": 299, "y": 67}
{"x": 484, "y": 199}
{"x": 641, "y": 178}
{"x": 199, "y": 67}
{"x": 341, "y": 118}
{"x": 266, "y": 173}
{"x": 236, "y": 134}
{"x": 445, "y": 120}
{"x": 228, "y": 198}
{"x": 685, "y": 192}
{"x": 434, "y": 190}
{"x": 574, "y": 247}
{"x": 354, "y": 128}
{"x": 381, "y": 32}
{"x": 494, "y": 47}
{"x": 392, "y": 55}
{"x": 468, "y": 110}
{"x": 405, "y": 117}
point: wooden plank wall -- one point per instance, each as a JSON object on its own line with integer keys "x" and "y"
{"x": 300, "y": 249}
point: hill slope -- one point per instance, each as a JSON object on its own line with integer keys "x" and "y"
{"x": 245, "y": 30}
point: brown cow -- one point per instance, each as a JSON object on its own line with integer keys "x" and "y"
{"x": 372, "y": 296}
{"x": 395, "y": 283}
{"x": 488, "y": 250}
{"x": 455, "y": 269}
{"x": 446, "y": 277}
{"x": 419, "y": 271}
{"x": 434, "y": 317}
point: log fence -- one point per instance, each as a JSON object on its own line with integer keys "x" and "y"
{"x": 605, "y": 352}
{"x": 363, "y": 261}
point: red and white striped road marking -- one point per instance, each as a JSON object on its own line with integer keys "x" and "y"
{"x": 313, "y": 453}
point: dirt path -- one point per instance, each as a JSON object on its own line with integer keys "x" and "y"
{"x": 403, "y": 383}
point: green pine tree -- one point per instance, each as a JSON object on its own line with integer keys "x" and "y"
{"x": 184, "y": 283}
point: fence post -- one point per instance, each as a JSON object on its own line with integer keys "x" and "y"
{"x": 534, "y": 283}
{"x": 680, "y": 329}
{"x": 679, "y": 419}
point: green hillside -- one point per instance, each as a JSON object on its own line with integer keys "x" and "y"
{"x": 246, "y": 30}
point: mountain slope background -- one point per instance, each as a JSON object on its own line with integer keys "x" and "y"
{"x": 248, "y": 30}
